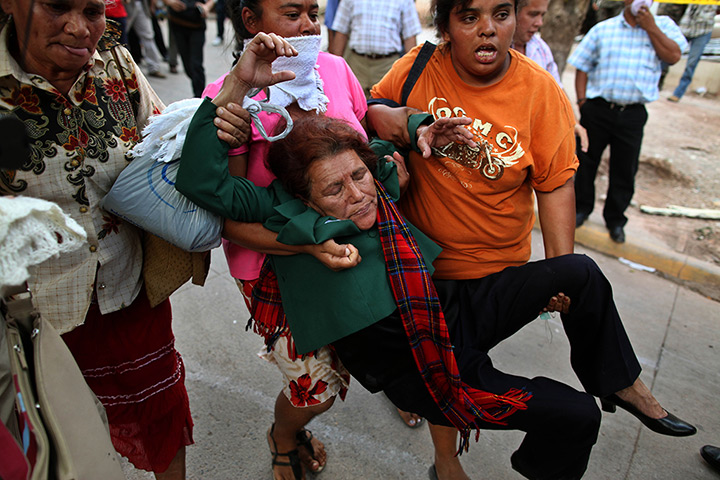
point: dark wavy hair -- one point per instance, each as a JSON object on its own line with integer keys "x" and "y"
{"x": 314, "y": 138}
{"x": 234, "y": 11}
{"x": 441, "y": 10}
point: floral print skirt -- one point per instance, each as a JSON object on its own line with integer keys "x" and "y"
{"x": 310, "y": 379}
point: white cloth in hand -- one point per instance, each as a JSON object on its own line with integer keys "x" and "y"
{"x": 31, "y": 231}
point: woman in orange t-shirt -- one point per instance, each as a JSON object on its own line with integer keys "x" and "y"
{"x": 477, "y": 204}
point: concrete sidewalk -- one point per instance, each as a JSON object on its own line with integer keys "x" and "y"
{"x": 641, "y": 248}
{"x": 674, "y": 331}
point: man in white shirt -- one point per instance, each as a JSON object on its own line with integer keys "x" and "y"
{"x": 378, "y": 32}
{"x": 530, "y": 14}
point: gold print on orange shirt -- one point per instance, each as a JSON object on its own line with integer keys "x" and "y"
{"x": 488, "y": 160}
{"x": 479, "y": 158}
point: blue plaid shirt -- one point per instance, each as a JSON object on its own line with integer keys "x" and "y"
{"x": 620, "y": 61}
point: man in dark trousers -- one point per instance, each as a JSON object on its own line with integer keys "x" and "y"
{"x": 187, "y": 26}
{"x": 618, "y": 67}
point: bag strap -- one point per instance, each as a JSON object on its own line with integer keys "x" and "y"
{"x": 417, "y": 68}
{"x": 18, "y": 308}
{"x": 383, "y": 101}
{"x": 426, "y": 53}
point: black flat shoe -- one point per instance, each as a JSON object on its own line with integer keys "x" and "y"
{"x": 669, "y": 425}
{"x": 432, "y": 473}
{"x": 712, "y": 456}
{"x": 580, "y": 219}
{"x": 617, "y": 234}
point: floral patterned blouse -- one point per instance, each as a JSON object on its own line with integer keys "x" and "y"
{"x": 79, "y": 144}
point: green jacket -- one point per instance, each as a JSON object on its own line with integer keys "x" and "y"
{"x": 321, "y": 305}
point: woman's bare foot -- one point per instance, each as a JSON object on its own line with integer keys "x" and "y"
{"x": 311, "y": 450}
{"x": 412, "y": 420}
{"x": 639, "y": 396}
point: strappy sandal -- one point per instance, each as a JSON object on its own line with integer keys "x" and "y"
{"x": 304, "y": 439}
{"x": 293, "y": 459}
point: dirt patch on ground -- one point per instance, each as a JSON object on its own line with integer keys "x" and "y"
{"x": 679, "y": 165}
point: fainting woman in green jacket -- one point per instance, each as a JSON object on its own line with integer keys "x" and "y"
{"x": 321, "y": 305}
{"x": 382, "y": 315}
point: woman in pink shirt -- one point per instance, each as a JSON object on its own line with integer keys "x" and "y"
{"x": 311, "y": 383}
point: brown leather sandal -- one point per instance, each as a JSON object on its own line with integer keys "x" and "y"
{"x": 293, "y": 459}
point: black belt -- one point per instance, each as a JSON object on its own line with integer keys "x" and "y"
{"x": 375, "y": 56}
{"x": 616, "y": 106}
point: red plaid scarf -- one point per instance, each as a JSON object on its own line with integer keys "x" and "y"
{"x": 424, "y": 323}
{"x": 266, "y": 312}
{"x": 267, "y": 316}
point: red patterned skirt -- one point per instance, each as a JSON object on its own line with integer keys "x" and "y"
{"x": 128, "y": 359}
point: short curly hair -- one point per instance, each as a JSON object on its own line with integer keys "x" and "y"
{"x": 313, "y": 138}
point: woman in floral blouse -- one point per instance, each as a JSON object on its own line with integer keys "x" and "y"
{"x": 84, "y": 102}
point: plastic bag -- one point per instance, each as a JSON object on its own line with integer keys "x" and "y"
{"x": 144, "y": 194}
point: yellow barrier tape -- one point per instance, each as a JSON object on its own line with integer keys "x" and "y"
{"x": 686, "y": 2}
{"x": 695, "y": 2}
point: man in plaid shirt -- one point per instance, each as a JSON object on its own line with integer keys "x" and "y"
{"x": 618, "y": 67}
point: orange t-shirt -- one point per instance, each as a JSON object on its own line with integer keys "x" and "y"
{"x": 480, "y": 211}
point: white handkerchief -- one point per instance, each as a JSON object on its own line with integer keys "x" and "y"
{"x": 307, "y": 87}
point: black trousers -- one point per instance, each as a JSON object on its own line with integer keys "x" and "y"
{"x": 622, "y": 129}
{"x": 221, "y": 12}
{"x": 561, "y": 423}
{"x": 159, "y": 40}
{"x": 190, "y": 43}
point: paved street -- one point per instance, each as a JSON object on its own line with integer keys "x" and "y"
{"x": 674, "y": 331}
